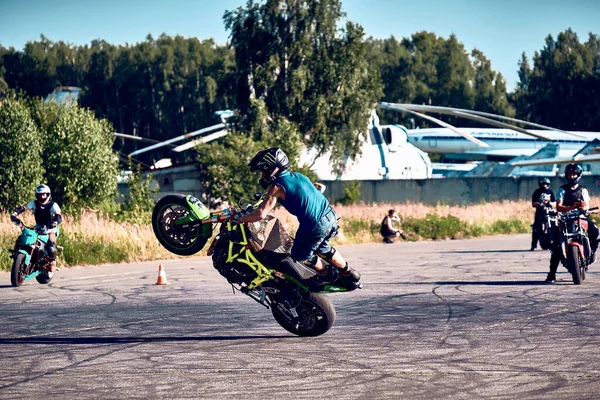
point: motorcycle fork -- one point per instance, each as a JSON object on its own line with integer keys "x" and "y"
{"x": 245, "y": 256}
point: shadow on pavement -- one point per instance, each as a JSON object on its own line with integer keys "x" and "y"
{"x": 119, "y": 340}
{"x": 488, "y": 251}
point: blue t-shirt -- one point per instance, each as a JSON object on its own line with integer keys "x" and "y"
{"x": 302, "y": 199}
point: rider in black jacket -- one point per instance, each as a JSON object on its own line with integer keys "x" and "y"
{"x": 569, "y": 197}
{"x": 47, "y": 214}
{"x": 541, "y": 198}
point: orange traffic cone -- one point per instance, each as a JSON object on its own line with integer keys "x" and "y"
{"x": 162, "y": 277}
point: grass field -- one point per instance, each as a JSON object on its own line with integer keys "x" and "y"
{"x": 90, "y": 238}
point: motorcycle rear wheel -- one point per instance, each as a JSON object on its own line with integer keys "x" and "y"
{"x": 575, "y": 263}
{"x": 181, "y": 242}
{"x": 316, "y": 315}
{"x": 17, "y": 274}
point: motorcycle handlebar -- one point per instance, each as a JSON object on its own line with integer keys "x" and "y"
{"x": 225, "y": 215}
{"x": 40, "y": 230}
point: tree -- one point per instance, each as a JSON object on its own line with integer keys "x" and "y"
{"x": 427, "y": 69}
{"x": 20, "y": 154}
{"x": 562, "y": 89}
{"x": 489, "y": 87}
{"x": 294, "y": 56}
{"x": 81, "y": 167}
{"x": 224, "y": 164}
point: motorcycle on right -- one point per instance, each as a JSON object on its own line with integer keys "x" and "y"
{"x": 574, "y": 242}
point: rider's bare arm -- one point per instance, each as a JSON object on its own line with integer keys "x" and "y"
{"x": 561, "y": 208}
{"x": 274, "y": 193}
{"x": 390, "y": 225}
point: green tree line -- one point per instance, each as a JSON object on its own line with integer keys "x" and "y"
{"x": 164, "y": 87}
{"x": 298, "y": 72}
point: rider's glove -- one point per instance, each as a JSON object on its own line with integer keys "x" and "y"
{"x": 234, "y": 217}
{"x": 15, "y": 220}
{"x": 53, "y": 225}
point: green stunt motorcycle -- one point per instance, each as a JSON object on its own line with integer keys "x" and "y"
{"x": 253, "y": 257}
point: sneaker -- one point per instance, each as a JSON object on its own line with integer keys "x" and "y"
{"x": 351, "y": 275}
{"x": 387, "y": 240}
{"x": 331, "y": 275}
{"x": 350, "y": 279}
{"x": 593, "y": 257}
{"x": 532, "y": 248}
{"x": 551, "y": 277}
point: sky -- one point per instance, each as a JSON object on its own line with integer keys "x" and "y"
{"x": 501, "y": 29}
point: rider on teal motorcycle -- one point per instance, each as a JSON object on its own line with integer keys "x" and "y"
{"x": 47, "y": 214}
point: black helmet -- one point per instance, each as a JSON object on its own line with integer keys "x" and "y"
{"x": 573, "y": 168}
{"x": 543, "y": 181}
{"x": 42, "y": 194}
{"x": 272, "y": 162}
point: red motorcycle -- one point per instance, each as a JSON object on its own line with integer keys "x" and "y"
{"x": 575, "y": 243}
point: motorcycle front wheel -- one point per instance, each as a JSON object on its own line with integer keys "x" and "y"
{"x": 178, "y": 240}
{"x": 17, "y": 274}
{"x": 44, "y": 277}
{"x": 315, "y": 314}
{"x": 575, "y": 263}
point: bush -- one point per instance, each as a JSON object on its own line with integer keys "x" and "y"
{"x": 351, "y": 193}
{"x": 139, "y": 202}
{"x": 224, "y": 163}
{"x": 513, "y": 225}
{"x": 81, "y": 168}
{"x": 434, "y": 227}
{"x": 20, "y": 154}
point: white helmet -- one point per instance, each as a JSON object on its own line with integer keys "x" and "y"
{"x": 42, "y": 193}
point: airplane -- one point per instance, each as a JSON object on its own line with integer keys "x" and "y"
{"x": 381, "y": 157}
{"x": 486, "y": 143}
{"x": 395, "y": 152}
{"x": 588, "y": 157}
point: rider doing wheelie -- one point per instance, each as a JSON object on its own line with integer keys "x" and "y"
{"x": 318, "y": 221}
{"x": 568, "y": 197}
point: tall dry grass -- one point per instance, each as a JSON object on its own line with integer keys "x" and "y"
{"x": 90, "y": 238}
{"x": 486, "y": 213}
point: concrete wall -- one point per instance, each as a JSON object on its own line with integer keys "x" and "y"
{"x": 450, "y": 191}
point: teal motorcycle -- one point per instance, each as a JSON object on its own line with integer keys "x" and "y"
{"x": 253, "y": 257}
{"x": 30, "y": 259}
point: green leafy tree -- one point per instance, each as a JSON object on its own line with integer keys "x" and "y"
{"x": 427, "y": 69}
{"x": 489, "y": 87}
{"x": 139, "y": 202}
{"x": 308, "y": 67}
{"x": 20, "y": 154}
{"x": 562, "y": 87}
{"x": 81, "y": 168}
{"x": 224, "y": 164}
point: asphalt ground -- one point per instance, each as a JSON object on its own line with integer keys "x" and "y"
{"x": 465, "y": 319}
